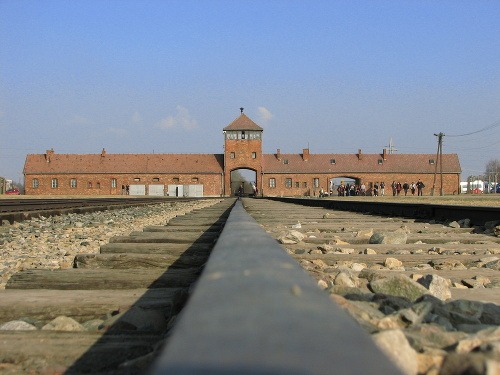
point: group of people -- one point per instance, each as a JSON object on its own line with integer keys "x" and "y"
{"x": 377, "y": 189}
{"x": 413, "y": 187}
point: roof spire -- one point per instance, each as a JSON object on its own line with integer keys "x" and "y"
{"x": 241, "y": 109}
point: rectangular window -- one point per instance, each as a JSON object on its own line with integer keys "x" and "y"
{"x": 304, "y": 184}
{"x": 98, "y": 185}
{"x": 72, "y": 183}
{"x": 232, "y": 155}
{"x": 316, "y": 182}
{"x": 272, "y": 182}
{"x": 35, "y": 183}
{"x": 176, "y": 180}
{"x": 54, "y": 183}
{"x": 297, "y": 184}
{"x": 89, "y": 185}
{"x": 137, "y": 179}
{"x": 195, "y": 179}
{"x": 288, "y": 182}
{"x": 113, "y": 182}
{"x": 254, "y": 155}
{"x": 156, "y": 179}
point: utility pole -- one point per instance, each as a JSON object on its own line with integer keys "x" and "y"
{"x": 439, "y": 160}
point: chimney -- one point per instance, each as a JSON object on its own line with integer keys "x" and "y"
{"x": 48, "y": 154}
{"x": 359, "y": 154}
{"x": 384, "y": 154}
{"x": 305, "y": 154}
{"x": 278, "y": 154}
{"x": 103, "y": 153}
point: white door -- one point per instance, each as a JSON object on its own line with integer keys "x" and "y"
{"x": 175, "y": 190}
{"x": 137, "y": 190}
{"x": 156, "y": 190}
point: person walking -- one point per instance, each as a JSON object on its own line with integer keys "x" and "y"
{"x": 393, "y": 187}
{"x": 412, "y": 188}
{"x": 406, "y": 187}
{"x": 420, "y": 188}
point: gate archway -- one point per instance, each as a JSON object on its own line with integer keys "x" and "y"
{"x": 243, "y": 182}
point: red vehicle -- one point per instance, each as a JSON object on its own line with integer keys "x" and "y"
{"x": 13, "y": 191}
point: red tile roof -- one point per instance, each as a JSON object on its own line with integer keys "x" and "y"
{"x": 350, "y": 163}
{"x": 124, "y": 163}
{"x": 213, "y": 163}
{"x": 243, "y": 122}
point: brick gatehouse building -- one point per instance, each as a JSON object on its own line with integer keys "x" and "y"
{"x": 278, "y": 174}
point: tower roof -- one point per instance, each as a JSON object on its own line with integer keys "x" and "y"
{"x": 243, "y": 122}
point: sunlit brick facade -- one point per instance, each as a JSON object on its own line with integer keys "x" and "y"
{"x": 301, "y": 174}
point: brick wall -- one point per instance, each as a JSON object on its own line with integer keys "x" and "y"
{"x": 451, "y": 183}
{"x": 101, "y": 184}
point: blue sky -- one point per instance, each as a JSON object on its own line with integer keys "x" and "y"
{"x": 167, "y": 76}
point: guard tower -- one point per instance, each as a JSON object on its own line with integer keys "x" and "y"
{"x": 242, "y": 149}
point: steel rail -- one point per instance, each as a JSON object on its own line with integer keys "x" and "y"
{"x": 478, "y": 215}
{"x": 255, "y": 311}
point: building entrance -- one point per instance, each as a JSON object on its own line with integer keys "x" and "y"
{"x": 243, "y": 182}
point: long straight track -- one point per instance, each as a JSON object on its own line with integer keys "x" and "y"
{"x": 254, "y": 310}
{"x": 109, "y": 312}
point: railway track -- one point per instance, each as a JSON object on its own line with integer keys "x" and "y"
{"x": 113, "y": 307}
{"x": 15, "y": 210}
{"x": 253, "y": 310}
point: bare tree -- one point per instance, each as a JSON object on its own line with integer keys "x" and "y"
{"x": 492, "y": 172}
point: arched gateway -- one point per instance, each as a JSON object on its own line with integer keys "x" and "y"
{"x": 209, "y": 175}
{"x": 242, "y": 150}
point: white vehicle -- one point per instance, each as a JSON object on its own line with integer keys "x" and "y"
{"x": 474, "y": 187}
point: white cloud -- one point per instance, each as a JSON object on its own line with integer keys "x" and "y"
{"x": 118, "y": 132}
{"x": 265, "y": 114}
{"x": 181, "y": 119}
{"x": 80, "y": 120}
{"x": 136, "y": 118}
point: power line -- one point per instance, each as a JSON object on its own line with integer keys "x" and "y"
{"x": 494, "y": 125}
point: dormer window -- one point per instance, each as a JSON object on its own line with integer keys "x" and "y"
{"x": 431, "y": 161}
{"x": 285, "y": 161}
{"x": 332, "y": 161}
{"x": 380, "y": 161}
